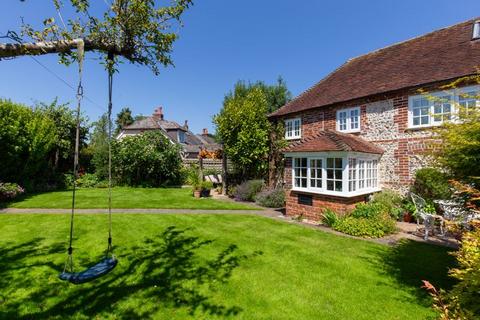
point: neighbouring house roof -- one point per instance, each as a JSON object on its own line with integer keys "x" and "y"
{"x": 153, "y": 122}
{"x": 437, "y": 56}
{"x": 330, "y": 140}
{"x": 193, "y": 142}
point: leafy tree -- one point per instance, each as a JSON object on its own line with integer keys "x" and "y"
{"x": 244, "y": 129}
{"x": 272, "y": 98}
{"x": 124, "y": 118}
{"x": 137, "y": 30}
{"x": 27, "y": 137}
{"x": 147, "y": 159}
{"x": 277, "y": 95}
{"x": 65, "y": 121}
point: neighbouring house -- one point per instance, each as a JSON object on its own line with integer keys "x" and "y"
{"x": 366, "y": 126}
{"x": 190, "y": 143}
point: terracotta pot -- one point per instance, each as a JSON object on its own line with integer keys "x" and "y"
{"x": 407, "y": 217}
{"x": 197, "y": 193}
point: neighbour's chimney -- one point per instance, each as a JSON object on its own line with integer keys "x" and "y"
{"x": 158, "y": 112}
{"x": 185, "y": 125}
{"x": 205, "y": 132}
{"x": 476, "y": 30}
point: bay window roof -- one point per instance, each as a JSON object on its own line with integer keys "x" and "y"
{"x": 329, "y": 140}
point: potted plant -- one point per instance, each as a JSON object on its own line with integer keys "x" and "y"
{"x": 409, "y": 211}
{"x": 197, "y": 189}
{"x": 205, "y": 188}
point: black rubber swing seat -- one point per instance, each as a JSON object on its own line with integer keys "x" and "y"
{"x": 94, "y": 272}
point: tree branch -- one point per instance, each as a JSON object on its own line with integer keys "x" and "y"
{"x": 10, "y": 50}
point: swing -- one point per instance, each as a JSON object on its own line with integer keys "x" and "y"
{"x": 108, "y": 263}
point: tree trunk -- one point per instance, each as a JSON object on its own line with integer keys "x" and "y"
{"x": 10, "y": 50}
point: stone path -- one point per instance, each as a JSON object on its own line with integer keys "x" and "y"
{"x": 406, "y": 231}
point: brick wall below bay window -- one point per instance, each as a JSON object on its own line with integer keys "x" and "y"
{"x": 340, "y": 205}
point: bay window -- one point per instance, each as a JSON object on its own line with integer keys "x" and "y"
{"x": 348, "y": 120}
{"x": 293, "y": 128}
{"x": 437, "y": 107}
{"x": 346, "y": 174}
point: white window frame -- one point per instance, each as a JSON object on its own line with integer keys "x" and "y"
{"x": 349, "y": 120}
{"x": 434, "y": 99}
{"x": 373, "y": 186}
{"x": 293, "y": 134}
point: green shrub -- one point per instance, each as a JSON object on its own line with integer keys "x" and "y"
{"x": 329, "y": 217}
{"x": 147, "y": 159}
{"x": 272, "y": 198}
{"x": 391, "y": 201}
{"x": 9, "y": 191}
{"x": 431, "y": 183}
{"x": 206, "y": 185}
{"x": 248, "y": 190}
{"x": 461, "y": 301}
{"x": 88, "y": 180}
{"x": 373, "y": 227}
{"x": 191, "y": 175}
{"x": 368, "y": 210}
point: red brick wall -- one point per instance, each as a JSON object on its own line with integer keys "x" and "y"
{"x": 340, "y": 205}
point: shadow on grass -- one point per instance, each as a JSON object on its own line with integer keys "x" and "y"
{"x": 164, "y": 272}
{"x": 410, "y": 262}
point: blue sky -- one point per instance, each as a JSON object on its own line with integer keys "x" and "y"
{"x": 223, "y": 41}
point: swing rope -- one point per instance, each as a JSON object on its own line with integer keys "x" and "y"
{"x": 110, "y": 91}
{"x": 80, "y": 55}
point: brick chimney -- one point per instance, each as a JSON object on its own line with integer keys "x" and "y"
{"x": 158, "y": 113}
{"x": 185, "y": 125}
{"x": 205, "y": 132}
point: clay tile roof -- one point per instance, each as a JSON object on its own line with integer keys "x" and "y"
{"x": 440, "y": 55}
{"x": 329, "y": 140}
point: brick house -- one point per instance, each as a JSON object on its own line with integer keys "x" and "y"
{"x": 366, "y": 125}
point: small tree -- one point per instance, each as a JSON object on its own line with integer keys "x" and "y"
{"x": 147, "y": 159}
{"x": 244, "y": 129}
{"x": 257, "y": 100}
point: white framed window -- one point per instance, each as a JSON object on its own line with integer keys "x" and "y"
{"x": 316, "y": 173}
{"x": 335, "y": 174}
{"x": 293, "y": 128}
{"x": 342, "y": 174}
{"x": 352, "y": 174}
{"x": 348, "y": 120}
{"x": 468, "y": 100}
{"x": 300, "y": 173}
{"x": 435, "y": 108}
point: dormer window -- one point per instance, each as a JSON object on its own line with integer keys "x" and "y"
{"x": 476, "y": 30}
{"x": 348, "y": 120}
{"x": 293, "y": 128}
{"x": 181, "y": 136}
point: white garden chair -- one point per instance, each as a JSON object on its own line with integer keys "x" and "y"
{"x": 427, "y": 219}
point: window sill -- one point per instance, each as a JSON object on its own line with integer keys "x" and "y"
{"x": 293, "y": 138}
{"x": 349, "y": 131}
{"x": 336, "y": 193}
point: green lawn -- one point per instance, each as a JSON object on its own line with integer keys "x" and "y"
{"x": 211, "y": 267}
{"x": 124, "y": 197}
